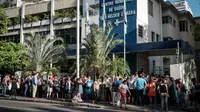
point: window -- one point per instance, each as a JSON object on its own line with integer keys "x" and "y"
{"x": 174, "y": 23}
{"x": 183, "y": 26}
{"x": 154, "y": 63}
{"x": 167, "y": 19}
{"x": 140, "y": 30}
{"x": 167, "y": 38}
{"x": 157, "y": 37}
{"x": 152, "y": 36}
{"x": 150, "y": 7}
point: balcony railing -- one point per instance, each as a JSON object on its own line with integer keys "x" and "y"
{"x": 41, "y": 23}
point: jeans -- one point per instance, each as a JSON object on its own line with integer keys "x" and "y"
{"x": 114, "y": 95}
{"x": 25, "y": 89}
{"x": 164, "y": 101}
{"x": 13, "y": 92}
{"x": 34, "y": 91}
{"x": 140, "y": 97}
{"x": 4, "y": 89}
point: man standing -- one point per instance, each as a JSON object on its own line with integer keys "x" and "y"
{"x": 140, "y": 84}
{"x": 115, "y": 87}
{"x": 34, "y": 84}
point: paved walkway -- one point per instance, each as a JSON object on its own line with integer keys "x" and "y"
{"x": 100, "y": 105}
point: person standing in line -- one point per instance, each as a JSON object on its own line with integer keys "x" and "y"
{"x": 123, "y": 88}
{"x": 26, "y": 81}
{"x": 131, "y": 88}
{"x": 14, "y": 86}
{"x": 34, "y": 84}
{"x": 140, "y": 84}
{"x": 115, "y": 87}
{"x": 108, "y": 87}
{"x": 5, "y": 85}
{"x": 163, "y": 87}
{"x": 152, "y": 90}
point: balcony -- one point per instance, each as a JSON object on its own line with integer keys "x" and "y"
{"x": 42, "y": 23}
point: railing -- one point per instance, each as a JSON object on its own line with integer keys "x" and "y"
{"x": 41, "y": 23}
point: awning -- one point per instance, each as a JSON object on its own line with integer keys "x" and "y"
{"x": 185, "y": 47}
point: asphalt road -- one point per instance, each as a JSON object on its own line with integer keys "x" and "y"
{"x": 18, "y": 106}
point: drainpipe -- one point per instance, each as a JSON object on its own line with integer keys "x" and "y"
{"x": 52, "y": 18}
{"x": 22, "y": 24}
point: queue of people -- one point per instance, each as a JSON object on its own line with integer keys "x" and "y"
{"x": 137, "y": 89}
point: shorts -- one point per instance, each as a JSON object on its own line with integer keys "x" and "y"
{"x": 123, "y": 95}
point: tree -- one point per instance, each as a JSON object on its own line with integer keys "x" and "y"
{"x": 116, "y": 67}
{"x": 43, "y": 50}
{"x": 98, "y": 46}
{"x": 196, "y": 32}
{"x": 12, "y": 57}
{"x": 4, "y": 21}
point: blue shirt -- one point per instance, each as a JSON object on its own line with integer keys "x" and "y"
{"x": 140, "y": 83}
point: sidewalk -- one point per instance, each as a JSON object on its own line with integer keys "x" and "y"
{"x": 43, "y": 100}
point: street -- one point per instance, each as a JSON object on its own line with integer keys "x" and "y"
{"x": 20, "y": 106}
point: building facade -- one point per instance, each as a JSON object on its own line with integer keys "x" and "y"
{"x": 182, "y": 5}
{"x": 155, "y": 29}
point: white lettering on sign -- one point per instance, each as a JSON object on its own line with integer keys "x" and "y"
{"x": 118, "y": 8}
{"x": 115, "y": 15}
{"x": 110, "y": 9}
{"x": 121, "y": 1}
{"x": 109, "y": 3}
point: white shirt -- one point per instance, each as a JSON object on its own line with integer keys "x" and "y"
{"x": 124, "y": 88}
{"x": 130, "y": 84}
{"x": 108, "y": 83}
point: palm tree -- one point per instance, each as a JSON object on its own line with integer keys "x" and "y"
{"x": 98, "y": 46}
{"x": 42, "y": 50}
{"x": 116, "y": 67}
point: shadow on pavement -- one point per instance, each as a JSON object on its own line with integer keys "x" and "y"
{"x": 2, "y": 109}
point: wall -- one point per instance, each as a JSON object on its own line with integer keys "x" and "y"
{"x": 142, "y": 19}
{"x": 187, "y": 36}
{"x": 142, "y": 62}
{"x": 155, "y": 22}
{"x": 168, "y": 29}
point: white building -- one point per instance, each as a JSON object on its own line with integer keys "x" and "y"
{"x": 182, "y": 5}
{"x": 154, "y": 29}
{"x": 176, "y": 25}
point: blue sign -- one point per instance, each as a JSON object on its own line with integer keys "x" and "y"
{"x": 114, "y": 16}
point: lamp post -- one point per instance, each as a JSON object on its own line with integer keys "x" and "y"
{"x": 78, "y": 38}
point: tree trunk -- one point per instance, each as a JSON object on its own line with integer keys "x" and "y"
{"x": 38, "y": 67}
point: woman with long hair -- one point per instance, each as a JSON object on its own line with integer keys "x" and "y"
{"x": 164, "y": 94}
{"x": 152, "y": 90}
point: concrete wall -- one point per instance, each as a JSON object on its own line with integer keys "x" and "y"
{"x": 187, "y": 36}
{"x": 155, "y": 22}
{"x": 142, "y": 62}
{"x": 168, "y": 29}
{"x": 41, "y": 7}
{"x": 142, "y": 19}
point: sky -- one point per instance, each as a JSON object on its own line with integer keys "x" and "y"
{"x": 194, "y": 5}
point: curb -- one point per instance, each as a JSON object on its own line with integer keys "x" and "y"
{"x": 55, "y": 102}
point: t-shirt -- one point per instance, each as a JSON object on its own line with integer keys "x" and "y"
{"x": 116, "y": 85}
{"x": 130, "y": 84}
{"x": 123, "y": 88}
{"x": 140, "y": 83}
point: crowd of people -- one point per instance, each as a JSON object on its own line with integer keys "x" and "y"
{"x": 137, "y": 89}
